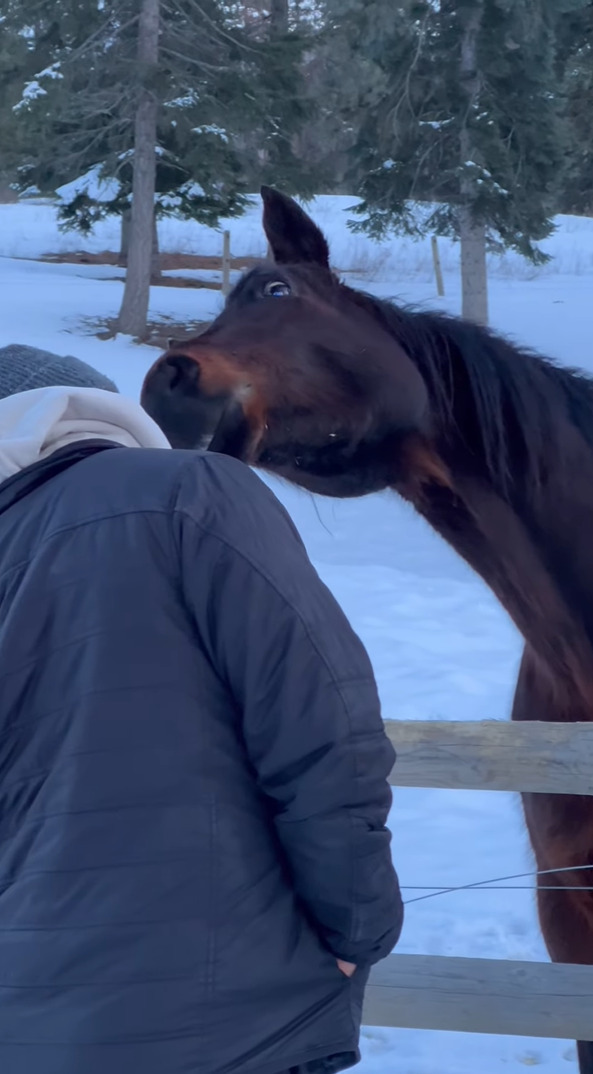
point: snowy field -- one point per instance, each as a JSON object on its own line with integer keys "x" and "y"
{"x": 441, "y": 646}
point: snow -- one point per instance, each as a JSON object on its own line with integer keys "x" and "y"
{"x": 29, "y": 230}
{"x": 187, "y": 101}
{"x": 32, "y": 90}
{"x": 441, "y": 646}
{"x": 93, "y": 184}
{"x": 102, "y": 188}
{"x": 211, "y": 128}
{"x": 175, "y": 199}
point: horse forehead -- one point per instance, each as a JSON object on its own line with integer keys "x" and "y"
{"x": 246, "y": 288}
{"x": 274, "y": 332}
{"x": 245, "y": 323}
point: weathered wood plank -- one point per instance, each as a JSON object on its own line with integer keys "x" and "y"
{"x": 533, "y": 999}
{"x": 436, "y": 260}
{"x": 495, "y": 755}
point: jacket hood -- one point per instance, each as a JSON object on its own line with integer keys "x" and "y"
{"x": 36, "y": 423}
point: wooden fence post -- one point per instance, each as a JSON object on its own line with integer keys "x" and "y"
{"x": 436, "y": 260}
{"x": 226, "y": 263}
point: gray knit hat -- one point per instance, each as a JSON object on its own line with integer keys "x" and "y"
{"x": 24, "y": 368}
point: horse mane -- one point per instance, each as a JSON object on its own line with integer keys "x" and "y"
{"x": 500, "y": 398}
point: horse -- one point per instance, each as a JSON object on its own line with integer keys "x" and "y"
{"x": 345, "y": 394}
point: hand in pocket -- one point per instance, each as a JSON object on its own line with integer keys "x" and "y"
{"x": 347, "y": 968}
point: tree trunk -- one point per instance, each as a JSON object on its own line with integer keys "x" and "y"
{"x": 124, "y": 242}
{"x": 472, "y": 233}
{"x": 134, "y": 309}
{"x": 474, "y": 276}
{"x": 278, "y": 18}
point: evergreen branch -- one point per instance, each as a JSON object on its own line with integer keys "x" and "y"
{"x": 185, "y": 44}
{"x": 79, "y": 52}
{"x": 193, "y": 62}
{"x": 218, "y": 30}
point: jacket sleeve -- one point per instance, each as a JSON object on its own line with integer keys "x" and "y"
{"x": 304, "y": 684}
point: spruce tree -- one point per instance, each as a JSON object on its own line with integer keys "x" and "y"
{"x": 214, "y": 85}
{"x": 73, "y": 96}
{"x": 282, "y": 106}
{"x": 14, "y": 59}
{"x": 463, "y": 112}
{"x": 84, "y": 119}
{"x": 575, "y": 61}
{"x": 229, "y": 96}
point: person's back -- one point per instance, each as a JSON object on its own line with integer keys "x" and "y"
{"x": 193, "y": 767}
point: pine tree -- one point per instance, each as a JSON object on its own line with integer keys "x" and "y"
{"x": 268, "y": 139}
{"x": 463, "y": 112}
{"x": 14, "y": 58}
{"x": 214, "y": 85}
{"x": 576, "y": 67}
{"x": 228, "y": 93}
{"x": 84, "y": 119}
{"x": 335, "y": 78}
{"x": 74, "y": 100}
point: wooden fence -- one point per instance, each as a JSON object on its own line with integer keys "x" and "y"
{"x": 487, "y": 995}
{"x": 226, "y": 264}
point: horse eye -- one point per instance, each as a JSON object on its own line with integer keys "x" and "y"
{"x": 276, "y": 289}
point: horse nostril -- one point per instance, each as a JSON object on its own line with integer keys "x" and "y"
{"x": 181, "y": 372}
{"x": 175, "y": 399}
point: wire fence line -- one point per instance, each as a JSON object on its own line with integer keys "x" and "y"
{"x": 496, "y": 884}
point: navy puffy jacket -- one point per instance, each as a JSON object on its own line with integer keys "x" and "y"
{"x": 193, "y": 779}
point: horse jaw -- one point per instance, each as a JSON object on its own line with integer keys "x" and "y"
{"x": 338, "y": 466}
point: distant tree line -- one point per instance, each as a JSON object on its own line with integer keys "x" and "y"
{"x": 479, "y": 110}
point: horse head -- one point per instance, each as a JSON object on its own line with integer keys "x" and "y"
{"x": 297, "y": 375}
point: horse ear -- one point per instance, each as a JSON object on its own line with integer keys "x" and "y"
{"x": 292, "y": 235}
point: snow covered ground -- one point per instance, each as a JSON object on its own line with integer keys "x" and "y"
{"x": 441, "y": 646}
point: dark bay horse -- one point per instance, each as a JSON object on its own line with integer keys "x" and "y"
{"x": 344, "y": 395}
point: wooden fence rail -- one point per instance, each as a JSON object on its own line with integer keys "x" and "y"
{"x": 482, "y": 995}
{"x": 493, "y": 755}
{"x": 537, "y": 999}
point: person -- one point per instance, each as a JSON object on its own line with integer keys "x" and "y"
{"x": 195, "y": 869}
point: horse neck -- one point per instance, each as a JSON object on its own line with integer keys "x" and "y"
{"x": 534, "y": 554}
